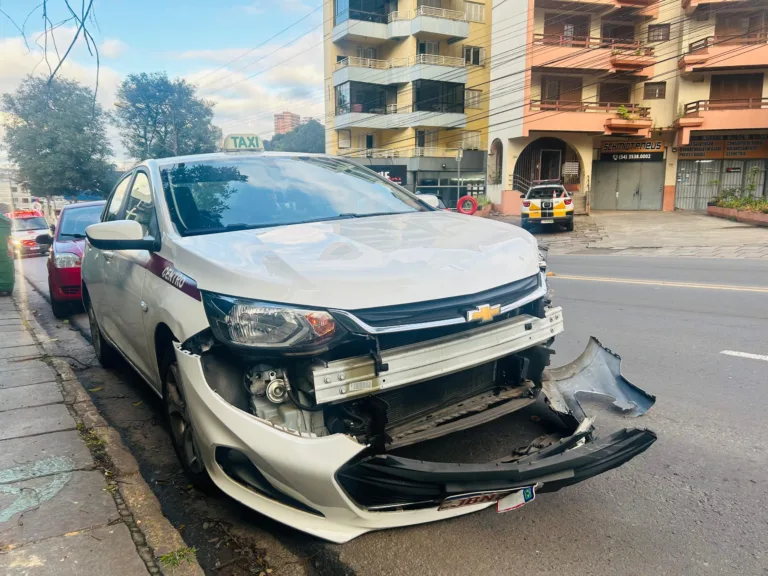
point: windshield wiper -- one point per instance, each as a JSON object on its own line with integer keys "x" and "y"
{"x": 366, "y": 215}
{"x": 230, "y": 228}
{"x": 75, "y": 236}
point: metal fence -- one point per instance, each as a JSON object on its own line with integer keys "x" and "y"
{"x": 699, "y": 181}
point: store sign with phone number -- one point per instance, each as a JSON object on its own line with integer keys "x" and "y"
{"x": 726, "y": 147}
{"x": 632, "y": 151}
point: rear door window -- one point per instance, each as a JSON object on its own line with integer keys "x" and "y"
{"x": 546, "y": 193}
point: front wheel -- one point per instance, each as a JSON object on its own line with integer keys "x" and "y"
{"x": 105, "y": 353}
{"x": 182, "y": 432}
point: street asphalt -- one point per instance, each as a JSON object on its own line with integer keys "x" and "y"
{"x": 695, "y": 503}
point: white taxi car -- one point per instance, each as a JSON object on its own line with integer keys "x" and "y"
{"x": 310, "y": 326}
{"x": 547, "y": 202}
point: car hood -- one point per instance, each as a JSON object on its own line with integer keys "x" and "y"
{"x": 362, "y": 262}
{"x": 71, "y": 246}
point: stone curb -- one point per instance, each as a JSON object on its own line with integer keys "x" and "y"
{"x": 134, "y": 493}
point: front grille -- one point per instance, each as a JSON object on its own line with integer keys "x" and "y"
{"x": 410, "y": 402}
{"x": 448, "y": 308}
{"x": 70, "y": 290}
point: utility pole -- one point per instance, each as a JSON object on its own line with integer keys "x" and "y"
{"x": 459, "y": 156}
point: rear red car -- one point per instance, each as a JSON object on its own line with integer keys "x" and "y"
{"x": 66, "y": 254}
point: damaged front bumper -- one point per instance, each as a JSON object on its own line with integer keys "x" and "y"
{"x": 336, "y": 488}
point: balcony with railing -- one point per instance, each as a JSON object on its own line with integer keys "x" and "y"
{"x": 730, "y": 51}
{"x": 359, "y": 25}
{"x": 592, "y": 53}
{"x": 400, "y": 70}
{"x": 728, "y": 114}
{"x": 690, "y": 5}
{"x": 398, "y": 152}
{"x": 393, "y": 117}
{"x": 593, "y": 117}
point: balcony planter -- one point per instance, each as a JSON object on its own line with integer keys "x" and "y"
{"x": 484, "y": 211}
{"x": 754, "y": 218}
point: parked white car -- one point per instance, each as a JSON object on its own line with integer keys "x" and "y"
{"x": 307, "y": 322}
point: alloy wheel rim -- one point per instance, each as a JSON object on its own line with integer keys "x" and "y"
{"x": 181, "y": 426}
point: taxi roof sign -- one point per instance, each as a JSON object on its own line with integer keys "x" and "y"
{"x": 242, "y": 143}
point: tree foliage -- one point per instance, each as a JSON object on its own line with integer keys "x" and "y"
{"x": 55, "y": 133}
{"x": 159, "y": 117}
{"x": 309, "y": 137}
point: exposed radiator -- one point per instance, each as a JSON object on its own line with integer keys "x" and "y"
{"x": 416, "y": 400}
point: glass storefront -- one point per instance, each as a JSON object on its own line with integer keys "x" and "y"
{"x": 447, "y": 186}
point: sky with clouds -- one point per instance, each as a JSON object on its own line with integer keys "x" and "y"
{"x": 223, "y": 47}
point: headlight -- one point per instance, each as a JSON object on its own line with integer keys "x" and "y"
{"x": 66, "y": 260}
{"x": 249, "y": 323}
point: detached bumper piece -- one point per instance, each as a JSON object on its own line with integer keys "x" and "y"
{"x": 387, "y": 482}
{"x": 382, "y": 482}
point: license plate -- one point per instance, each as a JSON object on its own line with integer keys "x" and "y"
{"x": 549, "y": 221}
{"x": 515, "y": 500}
{"x": 475, "y": 498}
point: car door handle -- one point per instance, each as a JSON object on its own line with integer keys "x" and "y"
{"x": 107, "y": 254}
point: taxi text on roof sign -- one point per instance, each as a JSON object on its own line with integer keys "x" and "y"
{"x": 242, "y": 143}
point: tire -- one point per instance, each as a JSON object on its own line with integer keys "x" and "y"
{"x": 105, "y": 353}
{"x": 569, "y": 226}
{"x": 180, "y": 426}
{"x": 60, "y": 310}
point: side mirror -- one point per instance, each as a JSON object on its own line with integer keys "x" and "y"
{"x": 430, "y": 199}
{"x": 44, "y": 240}
{"x": 53, "y": 228}
{"x": 522, "y": 196}
{"x": 119, "y": 235}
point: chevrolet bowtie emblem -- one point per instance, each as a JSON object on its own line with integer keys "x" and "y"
{"x": 484, "y": 313}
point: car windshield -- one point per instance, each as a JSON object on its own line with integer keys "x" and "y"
{"x": 22, "y": 224}
{"x": 254, "y": 192}
{"x": 545, "y": 193}
{"x": 74, "y": 221}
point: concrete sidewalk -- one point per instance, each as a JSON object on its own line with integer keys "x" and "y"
{"x": 669, "y": 234}
{"x": 57, "y": 515}
{"x": 69, "y": 491}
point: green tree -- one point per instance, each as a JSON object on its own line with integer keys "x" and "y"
{"x": 309, "y": 137}
{"x": 55, "y": 134}
{"x": 159, "y": 117}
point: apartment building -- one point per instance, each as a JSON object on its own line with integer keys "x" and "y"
{"x": 407, "y": 90}
{"x": 286, "y": 121}
{"x": 634, "y": 104}
{"x": 13, "y": 194}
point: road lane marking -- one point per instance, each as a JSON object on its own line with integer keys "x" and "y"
{"x": 745, "y": 355}
{"x": 664, "y": 283}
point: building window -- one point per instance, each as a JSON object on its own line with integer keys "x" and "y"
{"x": 470, "y": 140}
{"x": 25, "y": 200}
{"x": 474, "y": 55}
{"x": 432, "y": 96}
{"x": 14, "y": 189}
{"x": 655, "y": 91}
{"x": 366, "y": 52}
{"x": 426, "y": 139}
{"x": 658, "y": 32}
{"x": 472, "y": 98}
{"x": 345, "y": 138}
{"x": 429, "y": 47}
{"x": 475, "y": 12}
